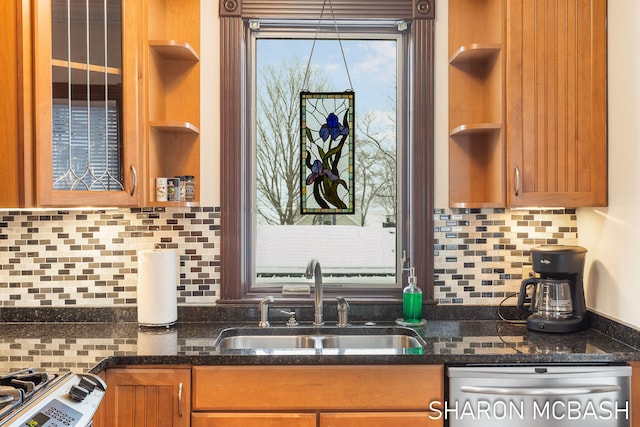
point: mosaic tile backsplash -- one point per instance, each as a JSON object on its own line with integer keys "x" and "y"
{"x": 482, "y": 255}
{"x": 89, "y": 258}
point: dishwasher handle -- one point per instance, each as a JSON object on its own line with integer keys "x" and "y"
{"x": 531, "y": 391}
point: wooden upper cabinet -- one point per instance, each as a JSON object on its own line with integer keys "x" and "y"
{"x": 86, "y": 111}
{"x": 556, "y": 96}
{"x": 527, "y": 103}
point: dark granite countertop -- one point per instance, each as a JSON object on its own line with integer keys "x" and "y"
{"x": 93, "y": 347}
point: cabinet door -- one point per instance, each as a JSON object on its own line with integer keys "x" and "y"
{"x": 150, "y": 397}
{"x": 253, "y": 420}
{"x": 86, "y": 117}
{"x": 556, "y": 112}
{"x": 10, "y": 171}
{"x": 380, "y": 419}
{"x": 15, "y": 110}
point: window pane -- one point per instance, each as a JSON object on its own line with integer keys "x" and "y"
{"x": 359, "y": 249}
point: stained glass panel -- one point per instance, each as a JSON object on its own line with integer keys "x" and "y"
{"x": 327, "y": 152}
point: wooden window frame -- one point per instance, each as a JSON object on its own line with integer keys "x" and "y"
{"x": 235, "y": 256}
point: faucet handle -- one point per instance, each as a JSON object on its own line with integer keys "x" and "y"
{"x": 343, "y": 312}
{"x": 264, "y": 312}
{"x": 292, "y": 318}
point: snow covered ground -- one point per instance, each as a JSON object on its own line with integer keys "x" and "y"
{"x": 340, "y": 249}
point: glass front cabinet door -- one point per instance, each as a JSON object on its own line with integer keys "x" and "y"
{"x": 87, "y": 120}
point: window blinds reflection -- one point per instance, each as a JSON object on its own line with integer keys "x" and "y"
{"x": 86, "y": 128}
{"x": 86, "y": 157}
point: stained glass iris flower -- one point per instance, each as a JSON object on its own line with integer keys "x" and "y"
{"x": 317, "y": 171}
{"x": 333, "y": 128}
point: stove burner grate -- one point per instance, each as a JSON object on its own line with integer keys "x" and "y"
{"x": 18, "y": 387}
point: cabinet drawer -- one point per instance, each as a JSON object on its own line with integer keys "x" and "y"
{"x": 253, "y": 420}
{"x": 379, "y": 419}
{"x": 273, "y": 388}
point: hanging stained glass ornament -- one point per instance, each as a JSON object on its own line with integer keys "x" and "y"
{"x": 327, "y": 144}
{"x": 327, "y": 149}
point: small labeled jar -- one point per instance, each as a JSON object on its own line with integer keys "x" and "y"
{"x": 161, "y": 189}
{"x": 189, "y": 188}
{"x": 183, "y": 185}
{"x": 173, "y": 189}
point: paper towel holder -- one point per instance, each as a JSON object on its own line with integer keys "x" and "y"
{"x": 158, "y": 271}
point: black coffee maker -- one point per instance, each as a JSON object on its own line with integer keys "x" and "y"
{"x": 556, "y": 295}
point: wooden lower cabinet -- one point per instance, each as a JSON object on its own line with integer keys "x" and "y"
{"x": 146, "y": 397}
{"x": 272, "y": 396}
{"x": 322, "y": 396}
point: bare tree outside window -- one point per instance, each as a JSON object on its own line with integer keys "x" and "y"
{"x": 278, "y": 141}
{"x": 377, "y": 164}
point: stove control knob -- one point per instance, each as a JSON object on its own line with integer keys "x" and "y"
{"x": 78, "y": 393}
{"x": 96, "y": 380}
{"x": 88, "y": 383}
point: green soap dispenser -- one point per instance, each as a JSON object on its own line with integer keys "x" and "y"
{"x": 412, "y": 300}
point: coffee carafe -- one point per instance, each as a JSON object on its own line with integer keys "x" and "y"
{"x": 556, "y": 294}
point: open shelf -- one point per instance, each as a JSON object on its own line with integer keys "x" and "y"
{"x": 174, "y": 127}
{"x": 174, "y": 49}
{"x": 173, "y": 94}
{"x": 476, "y": 113}
{"x": 475, "y": 128}
{"x": 475, "y": 52}
{"x": 476, "y": 168}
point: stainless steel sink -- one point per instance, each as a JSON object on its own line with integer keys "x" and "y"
{"x": 321, "y": 340}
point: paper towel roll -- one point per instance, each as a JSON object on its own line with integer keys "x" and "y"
{"x": 157, "y": 287}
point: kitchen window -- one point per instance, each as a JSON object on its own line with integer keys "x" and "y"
{"x": 408, "y": 34}
{"x": 359, "y": 250}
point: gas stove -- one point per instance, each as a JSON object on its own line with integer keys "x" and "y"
{"x": 41, "y": 399}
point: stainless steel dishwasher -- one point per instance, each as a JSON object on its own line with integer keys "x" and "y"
{"x": 549, "y": 395}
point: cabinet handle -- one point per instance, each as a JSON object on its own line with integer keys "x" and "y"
{"x": 517, "y": 181}
{"x": 134, "y": 173}
{"x": 180, "y": 400}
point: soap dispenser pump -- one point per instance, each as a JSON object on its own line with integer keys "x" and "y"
{"x": 412, "y": 302}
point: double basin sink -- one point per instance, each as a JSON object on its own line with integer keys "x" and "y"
{"x": 321, "y": 340}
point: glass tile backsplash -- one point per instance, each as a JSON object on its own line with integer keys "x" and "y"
{"x": 481, "y": 255}
{"x": 89, "y": 258}
{"x": 61, "y": 258}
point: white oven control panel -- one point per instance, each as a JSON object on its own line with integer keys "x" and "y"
{"x": 71, "y": 403}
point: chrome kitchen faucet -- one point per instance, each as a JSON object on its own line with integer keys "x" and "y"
{"x": 314, "y": 271}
